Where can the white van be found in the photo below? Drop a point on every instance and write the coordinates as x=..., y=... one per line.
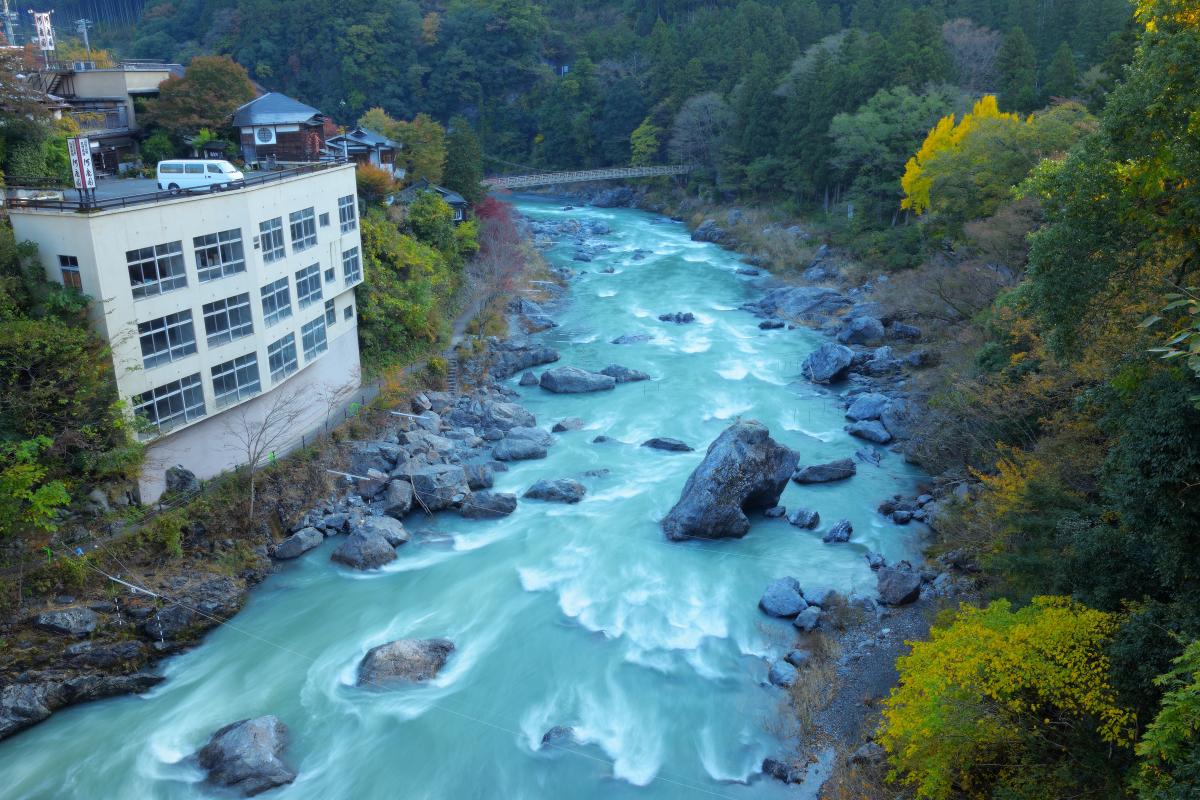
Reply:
x=197, y=174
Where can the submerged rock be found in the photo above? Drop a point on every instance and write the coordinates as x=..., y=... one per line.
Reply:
x=411, y=660
x=247, y=756
x=568, y=424
x=743, y=470
x=667, y=443
x=838, y=470
x=678, y=317
x=559, y=734
x=632, y=338
x=624, y=374
x=573, y=380
x=563, y=490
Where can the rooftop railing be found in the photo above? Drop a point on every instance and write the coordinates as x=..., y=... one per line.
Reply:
x=49, y=194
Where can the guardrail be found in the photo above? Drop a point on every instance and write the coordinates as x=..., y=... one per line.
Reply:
x=37, y=193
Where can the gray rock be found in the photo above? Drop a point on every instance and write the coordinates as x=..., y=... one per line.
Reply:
x=799, y=303
x=870, y=754
x=909, y=333
x=808, y=619
x=247, y=756
x=532, y=434
x=618, y=197
x=872, y=430
x=838, y=470
x=805, y=518
x=558, y=734
x=869, y=455
x=771, y=324
x=568, y=424
x=783, y=598
x=782, y=674
x=867, y=406
x=411, y=660
x=743, y=470
x=840, y=532
x=508, y=358
x=782, y=771
x=875, y=560
x=920, y=358
x=667, y=443
x=479, y=476
x=528, y=379
x=67, y=621
x=562, y=490
x=632, y=338
x=898, y=587
x=372, y=484
x=573, y=380
x=798, y=658
x=747, y=271
x=364, y=550
x=398, y=499
x=861, y=330
x=897, y=418
x=678, y=317
x=180, y=480
x=709, y=231
x=775, y=513
x=335, y=523
x=624, y=374
x=827, y=363
x=488, y=505
x=298, y=543
x=366, y=456
x=440, y=486
x=518, y=450
x=506, y=416
x=392, y=530
x=902, y=516
x=820, y=596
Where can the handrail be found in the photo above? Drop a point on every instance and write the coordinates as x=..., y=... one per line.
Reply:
x=13, y=198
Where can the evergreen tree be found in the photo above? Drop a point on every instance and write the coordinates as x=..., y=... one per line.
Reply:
x=756, y=111
x=1061, y=78
x=1016, y=66
x=464, y=161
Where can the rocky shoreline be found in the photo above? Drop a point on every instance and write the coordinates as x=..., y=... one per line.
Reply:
x=441, y=454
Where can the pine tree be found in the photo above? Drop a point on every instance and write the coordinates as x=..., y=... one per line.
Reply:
x=1016, y=65
x=1061, y=78
x=464, y=161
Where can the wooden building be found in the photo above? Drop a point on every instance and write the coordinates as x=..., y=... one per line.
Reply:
x=275, y=129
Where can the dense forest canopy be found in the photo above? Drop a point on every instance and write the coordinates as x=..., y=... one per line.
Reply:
x=564, y=83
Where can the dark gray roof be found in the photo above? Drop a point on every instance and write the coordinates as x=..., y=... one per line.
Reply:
x=363, y=136
x=273, y=108
x=410, y=193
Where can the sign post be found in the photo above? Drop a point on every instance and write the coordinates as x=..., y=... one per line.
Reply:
x=82, y=172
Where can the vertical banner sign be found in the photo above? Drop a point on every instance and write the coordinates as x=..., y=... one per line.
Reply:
x=43, y=30
x=80, y=149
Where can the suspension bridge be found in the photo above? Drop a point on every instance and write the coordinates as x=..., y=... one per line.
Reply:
x=581, y=176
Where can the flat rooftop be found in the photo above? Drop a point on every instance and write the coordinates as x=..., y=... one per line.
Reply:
x=116, y=193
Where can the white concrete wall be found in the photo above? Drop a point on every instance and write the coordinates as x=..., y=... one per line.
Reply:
x=100, y=240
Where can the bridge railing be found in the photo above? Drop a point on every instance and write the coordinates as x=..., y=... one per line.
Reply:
x=582, y=176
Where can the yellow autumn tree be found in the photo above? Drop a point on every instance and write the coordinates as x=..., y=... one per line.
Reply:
x=994, y=698
x=945, y=136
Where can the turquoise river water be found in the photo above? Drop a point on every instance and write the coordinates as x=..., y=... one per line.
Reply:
x=583, y=615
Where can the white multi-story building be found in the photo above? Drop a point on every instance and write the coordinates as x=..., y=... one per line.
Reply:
x=213, y=303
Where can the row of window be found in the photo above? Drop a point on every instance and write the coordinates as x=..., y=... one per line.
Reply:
x=159, y=269
x=178, y=402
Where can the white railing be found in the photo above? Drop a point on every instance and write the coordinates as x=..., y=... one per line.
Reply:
x=582, y=176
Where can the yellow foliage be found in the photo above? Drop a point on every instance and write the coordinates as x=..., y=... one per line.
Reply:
x=1152, y=13
x=945, y=136
x=994, y=683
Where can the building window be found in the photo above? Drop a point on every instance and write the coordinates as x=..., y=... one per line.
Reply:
x=330, y=314
x=276, y=302
x=330, y=275
x=228, y=319
x=69, y=266
x=308, y=285
x=219, y=254
x=325, y=220
x=172, y=404
x=348, y=312
x=270, y=239
x=312, y=337
x=304, y=229
x=347, y=213
x=155, y=270
x=167, y=339
x=458, y=214
x=281, y=358
x=236, y=380
x=351, y=266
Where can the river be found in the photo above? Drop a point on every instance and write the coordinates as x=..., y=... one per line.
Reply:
x=580, y=615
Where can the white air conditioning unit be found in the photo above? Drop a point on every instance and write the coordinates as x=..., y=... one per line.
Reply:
x=264, y=135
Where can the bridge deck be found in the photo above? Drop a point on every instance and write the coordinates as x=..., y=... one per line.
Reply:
x=582, y=176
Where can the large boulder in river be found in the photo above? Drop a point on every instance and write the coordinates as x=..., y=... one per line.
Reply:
x=246, y=756
x=364, y=550
x=870, y=429
x=391, y=529
x=743, y=470
x=298, y=543
x=783, y=598
x=509, y=357
x=838, y=470
x=624, y=374
x=573, y=380
x=488, y=505
x=563, y=490
x=827, y=363
x=439, y=486
x=668, y=444
x=868, y=405
x=409, y=660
